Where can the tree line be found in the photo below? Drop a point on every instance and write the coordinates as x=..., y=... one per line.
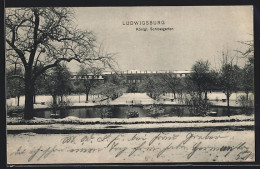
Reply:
x=58, y=82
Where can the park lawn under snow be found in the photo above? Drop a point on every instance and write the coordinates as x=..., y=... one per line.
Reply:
x=79, y=100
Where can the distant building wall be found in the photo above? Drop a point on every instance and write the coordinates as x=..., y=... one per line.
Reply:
x=132, y=76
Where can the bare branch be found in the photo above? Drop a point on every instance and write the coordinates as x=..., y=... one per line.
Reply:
x=53, y=65
x=35, y=38
x=18, y=51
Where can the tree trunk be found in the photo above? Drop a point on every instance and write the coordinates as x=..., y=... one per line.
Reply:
x=86, y=96
x=247, y=96
x=34, y=98
x=228, y=105
x=28, y=108
x=206, y=96
x=174, y=95
x=18, y=100
x=54, y=102
x=199, y=95
x=54, y=99
x=61, y=99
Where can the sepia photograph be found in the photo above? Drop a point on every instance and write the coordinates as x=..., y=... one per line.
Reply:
x=139, y=84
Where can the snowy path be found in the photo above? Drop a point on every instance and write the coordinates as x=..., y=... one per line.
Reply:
x=133, y=98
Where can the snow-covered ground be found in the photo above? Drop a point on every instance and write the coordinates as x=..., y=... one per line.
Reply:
x=47, y=99
x=142, y=127
x=126, y=98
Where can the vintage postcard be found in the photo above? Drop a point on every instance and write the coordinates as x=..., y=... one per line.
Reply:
x=164, y=84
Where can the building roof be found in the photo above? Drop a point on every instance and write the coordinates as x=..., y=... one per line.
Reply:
x=142, y=72
x=149, y=71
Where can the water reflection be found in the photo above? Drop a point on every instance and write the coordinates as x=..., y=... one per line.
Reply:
x=121, y=111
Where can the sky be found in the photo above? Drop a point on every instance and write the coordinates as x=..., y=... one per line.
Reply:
x=199, y=33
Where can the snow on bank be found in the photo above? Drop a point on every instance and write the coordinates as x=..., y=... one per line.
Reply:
x=139, y=120
x=78, y=127
x=47, y=99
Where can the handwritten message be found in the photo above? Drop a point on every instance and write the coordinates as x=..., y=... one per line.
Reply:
x=226, y=146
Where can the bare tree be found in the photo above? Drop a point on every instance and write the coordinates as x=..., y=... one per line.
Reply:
x=247, y=79
x=202, y=77
x=45, y=37
x=172, y=82
x=153, y=85
x=228, y=77
x=249, y=52
x=89, y=76
x=58, y=82
x=113, y=86
x=15, y=83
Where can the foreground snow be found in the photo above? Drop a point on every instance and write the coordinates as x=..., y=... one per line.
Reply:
x=135, y=140
x=71, y=128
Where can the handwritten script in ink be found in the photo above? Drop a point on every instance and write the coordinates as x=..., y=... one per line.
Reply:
x=132, y=147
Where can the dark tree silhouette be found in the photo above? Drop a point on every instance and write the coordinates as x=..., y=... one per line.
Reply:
x=89, y=78
x=15, y=83
x=153, y=85
x=228, y=81
x=57, y=82
x=202, y=77
x=45, y=37
x=172, y=82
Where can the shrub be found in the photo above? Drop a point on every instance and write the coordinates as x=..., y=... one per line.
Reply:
x=132, y=114
x=61, y=107
x=247, y=105
x=108, y=113
x=15, y=111
x=154, y=110
x=178, y=110
x=197, y=106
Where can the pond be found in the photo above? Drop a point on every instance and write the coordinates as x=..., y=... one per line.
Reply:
x=123, y=111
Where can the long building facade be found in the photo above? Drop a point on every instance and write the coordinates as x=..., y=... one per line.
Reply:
x=131, y=76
